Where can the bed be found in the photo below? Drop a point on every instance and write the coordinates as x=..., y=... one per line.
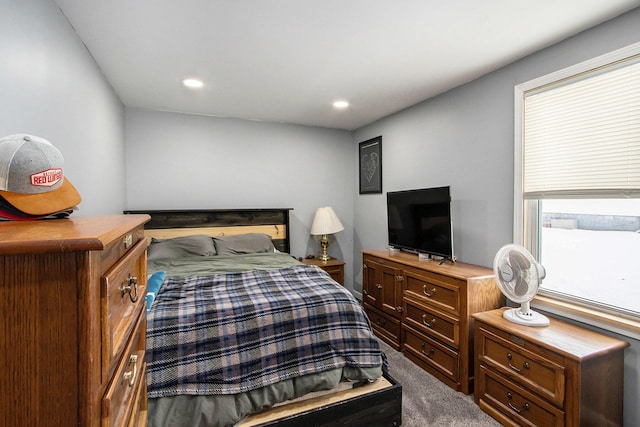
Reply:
x=241, y=333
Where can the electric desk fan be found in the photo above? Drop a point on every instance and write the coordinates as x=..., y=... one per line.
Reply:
x=519, y=275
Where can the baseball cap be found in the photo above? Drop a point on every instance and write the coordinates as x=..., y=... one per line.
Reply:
x=32, y=176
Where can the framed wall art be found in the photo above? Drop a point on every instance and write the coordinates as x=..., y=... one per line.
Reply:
x=370, y=160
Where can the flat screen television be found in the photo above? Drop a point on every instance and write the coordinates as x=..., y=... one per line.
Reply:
x=419, y=221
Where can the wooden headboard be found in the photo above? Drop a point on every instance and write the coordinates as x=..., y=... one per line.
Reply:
x=165, y=224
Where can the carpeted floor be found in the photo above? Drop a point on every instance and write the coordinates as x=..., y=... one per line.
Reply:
x=428, y=402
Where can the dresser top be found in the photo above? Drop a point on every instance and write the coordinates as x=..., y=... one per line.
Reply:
x=572, y=341
x=457, y=269
x=65, y=235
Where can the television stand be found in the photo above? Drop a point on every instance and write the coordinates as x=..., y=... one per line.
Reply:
x=424, y=310
x=424, y=257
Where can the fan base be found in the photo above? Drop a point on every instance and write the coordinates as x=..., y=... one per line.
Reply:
x=531, y=318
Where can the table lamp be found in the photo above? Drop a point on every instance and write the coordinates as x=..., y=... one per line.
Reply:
x=325, y=222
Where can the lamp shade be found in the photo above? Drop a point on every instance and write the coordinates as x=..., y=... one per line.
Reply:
x=325, y=221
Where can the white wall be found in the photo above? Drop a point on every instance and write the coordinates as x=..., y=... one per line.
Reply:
x=51, y=87
x=464, y=138
x=181, y=161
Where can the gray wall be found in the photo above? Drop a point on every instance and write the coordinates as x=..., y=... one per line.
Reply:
x=464, y=138
x=180, y=161
x=51, y=87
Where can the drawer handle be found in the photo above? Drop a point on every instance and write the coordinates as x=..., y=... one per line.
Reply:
x=381, y=321
x=424, y=291
x=427, y=324
x=128, y=241
x=525, y=405
x=131, y=375
x=128, y=286
x=378, y=285
x=525, y=365
x=430, y=353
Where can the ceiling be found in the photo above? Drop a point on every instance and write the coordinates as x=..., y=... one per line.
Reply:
x=289, y=60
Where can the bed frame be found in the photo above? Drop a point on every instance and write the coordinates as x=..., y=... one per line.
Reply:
x=375, y=404
x=165, y=224
x=378, y=404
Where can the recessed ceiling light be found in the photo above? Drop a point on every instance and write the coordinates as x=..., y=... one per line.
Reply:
x=341, y=104
x=193, y=83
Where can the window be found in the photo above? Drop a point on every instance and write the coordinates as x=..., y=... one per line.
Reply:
x=577, y=185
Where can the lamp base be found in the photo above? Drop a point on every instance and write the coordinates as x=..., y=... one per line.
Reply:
x=324, y=244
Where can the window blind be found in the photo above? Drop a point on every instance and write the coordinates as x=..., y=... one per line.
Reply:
x=582, y=135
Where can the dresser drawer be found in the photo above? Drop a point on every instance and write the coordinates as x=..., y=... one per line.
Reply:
x=386, y=327
x=440, y=291
x=123, y=290
x=515, y=403
x=430, y=352
x=127, y=390
x=530, y=369
x=138, y=416
x=120, y=246
x=431, y=322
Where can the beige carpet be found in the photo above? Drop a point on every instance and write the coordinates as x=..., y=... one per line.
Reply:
x=428, y=402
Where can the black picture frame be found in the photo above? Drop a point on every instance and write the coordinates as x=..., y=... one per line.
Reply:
x=370, y=165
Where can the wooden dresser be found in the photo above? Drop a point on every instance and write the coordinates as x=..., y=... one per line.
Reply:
x=559, y=375
x=424, y=308
x=72, y=322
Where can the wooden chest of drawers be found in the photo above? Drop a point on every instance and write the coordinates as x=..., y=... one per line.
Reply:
x=560, y=375
x=72, y=331
x=424, y=308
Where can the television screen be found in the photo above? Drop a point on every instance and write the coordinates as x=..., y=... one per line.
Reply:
x=420, y=221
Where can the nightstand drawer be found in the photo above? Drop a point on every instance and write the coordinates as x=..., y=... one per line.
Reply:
x=431, y=322
x=523, y=366
x=514, y=402
x=336, y=273
x=334, y=267
x=122, y=399
x=124, y=288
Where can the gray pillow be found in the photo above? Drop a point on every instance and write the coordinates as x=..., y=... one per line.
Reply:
x=198, y=244
x=249, y=243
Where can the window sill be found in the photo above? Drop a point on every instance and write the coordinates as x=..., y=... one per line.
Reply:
x=620, y=325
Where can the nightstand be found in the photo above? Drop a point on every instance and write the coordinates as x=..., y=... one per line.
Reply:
x=334, y=267
x=557, y=375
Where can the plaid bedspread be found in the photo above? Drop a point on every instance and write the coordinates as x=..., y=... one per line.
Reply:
x=230, y=333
